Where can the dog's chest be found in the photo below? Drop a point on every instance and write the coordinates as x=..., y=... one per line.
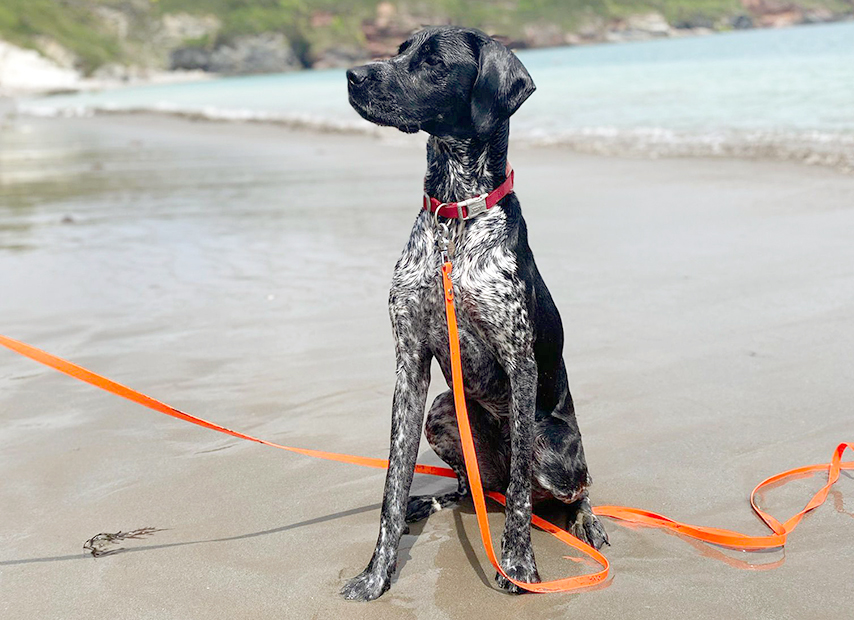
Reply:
x=481, y=263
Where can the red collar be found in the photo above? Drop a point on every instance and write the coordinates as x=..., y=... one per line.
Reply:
x=473, y=206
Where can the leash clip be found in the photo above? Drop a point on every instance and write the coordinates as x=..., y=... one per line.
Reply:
x=443, y=240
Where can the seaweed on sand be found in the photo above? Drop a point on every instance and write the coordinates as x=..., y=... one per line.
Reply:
x=100, y=544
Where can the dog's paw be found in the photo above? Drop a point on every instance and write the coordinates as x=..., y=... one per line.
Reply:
x=422, y=506
x=366, y=586
x=520, y=570
x=588, y=528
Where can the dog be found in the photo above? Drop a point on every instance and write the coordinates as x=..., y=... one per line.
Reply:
x=461, y=87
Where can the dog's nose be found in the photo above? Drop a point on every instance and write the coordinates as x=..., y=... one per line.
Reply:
x=357, y=75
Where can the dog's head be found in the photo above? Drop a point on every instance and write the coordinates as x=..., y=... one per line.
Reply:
x=447, y=81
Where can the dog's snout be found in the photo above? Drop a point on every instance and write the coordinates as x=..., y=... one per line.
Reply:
x=357, y=75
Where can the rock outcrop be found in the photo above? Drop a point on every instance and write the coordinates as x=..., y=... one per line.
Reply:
x=262, y=53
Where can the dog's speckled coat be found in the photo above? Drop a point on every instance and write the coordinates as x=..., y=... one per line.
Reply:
x=462, y=87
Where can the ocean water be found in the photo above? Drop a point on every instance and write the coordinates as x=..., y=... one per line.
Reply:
x=785, y=93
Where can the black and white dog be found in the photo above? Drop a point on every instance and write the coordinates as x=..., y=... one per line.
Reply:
x=461, y=87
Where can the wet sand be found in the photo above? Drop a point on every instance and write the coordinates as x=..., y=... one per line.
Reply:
x=240, y=272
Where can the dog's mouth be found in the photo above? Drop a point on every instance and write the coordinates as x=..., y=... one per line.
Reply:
x=369, y=112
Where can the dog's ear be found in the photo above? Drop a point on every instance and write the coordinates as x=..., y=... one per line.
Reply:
x=502, y=85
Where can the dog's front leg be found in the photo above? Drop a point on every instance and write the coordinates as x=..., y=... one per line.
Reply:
x=410, y=396
x=517, y=554
x=503, y=320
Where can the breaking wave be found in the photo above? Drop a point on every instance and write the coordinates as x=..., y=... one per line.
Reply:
x=835, y=150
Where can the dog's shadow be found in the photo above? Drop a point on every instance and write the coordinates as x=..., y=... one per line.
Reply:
x=239, y=537
x=553, y=511
x=410, y=539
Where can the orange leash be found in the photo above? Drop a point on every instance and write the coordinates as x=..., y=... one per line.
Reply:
x=87, y=376
x=632, y=515
x=736, y=540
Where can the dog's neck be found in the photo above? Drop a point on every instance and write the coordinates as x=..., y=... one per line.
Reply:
x=461, y=168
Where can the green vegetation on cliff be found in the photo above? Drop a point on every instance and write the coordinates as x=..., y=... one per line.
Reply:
x=98, y=32
x=74, y=25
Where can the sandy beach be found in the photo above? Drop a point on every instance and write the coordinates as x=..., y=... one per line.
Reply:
x=240, y=272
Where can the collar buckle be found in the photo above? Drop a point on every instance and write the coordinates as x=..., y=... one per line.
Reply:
x=474, y=206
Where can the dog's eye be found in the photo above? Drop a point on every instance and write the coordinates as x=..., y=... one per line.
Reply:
x=434, y=61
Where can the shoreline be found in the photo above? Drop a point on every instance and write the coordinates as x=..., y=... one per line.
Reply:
x=812, y=149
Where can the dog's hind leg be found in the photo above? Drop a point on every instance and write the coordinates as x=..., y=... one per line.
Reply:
x=492, y=442
x=584, y=525
x=560, y=469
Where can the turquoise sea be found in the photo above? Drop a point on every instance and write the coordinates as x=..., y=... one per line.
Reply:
x=786, y=93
